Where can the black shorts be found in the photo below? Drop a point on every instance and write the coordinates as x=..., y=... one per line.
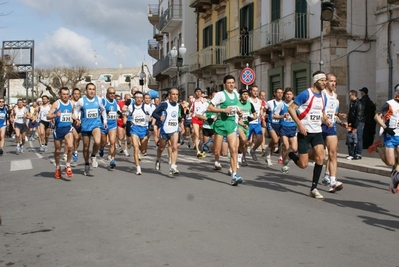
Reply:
x=46, y=124
x=312, y=139
x=128, y=126
x=21, y=126
x=207, y=132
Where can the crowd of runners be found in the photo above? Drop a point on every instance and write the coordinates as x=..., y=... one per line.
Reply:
x=233, y=123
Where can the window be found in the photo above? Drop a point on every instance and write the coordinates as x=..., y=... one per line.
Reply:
x=301, y=19
x=276, y=10
x=207, y=36
x=221, y=30
x=247, y=17
x=300, y=73
x=275, y=80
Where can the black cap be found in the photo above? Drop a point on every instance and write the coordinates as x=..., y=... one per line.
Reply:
x=365, y=90
x=244, y=90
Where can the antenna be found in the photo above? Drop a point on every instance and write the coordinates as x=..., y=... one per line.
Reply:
x=95, y=57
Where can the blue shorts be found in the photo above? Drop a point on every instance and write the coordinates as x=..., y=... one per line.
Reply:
x=77, y=128
x=254, y=128
x=33, y=124
x=167, y=136
x=328, y=131
x=391, y=141
x=111, y=127
x=140, y=131
x=274, y=127
x=60, y=132
x=187, y=123
x=288, y=131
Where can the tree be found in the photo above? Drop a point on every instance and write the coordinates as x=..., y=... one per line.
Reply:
x=57, y=77
x=7, y=71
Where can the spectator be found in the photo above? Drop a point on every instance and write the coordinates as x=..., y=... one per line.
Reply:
x=369, y=122
x=356, y=120
x=351, y=141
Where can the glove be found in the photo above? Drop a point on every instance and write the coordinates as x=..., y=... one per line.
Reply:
x=120, y=114
x=210, y=120
x=128, y=102
x=250, y=118
x=390, y=131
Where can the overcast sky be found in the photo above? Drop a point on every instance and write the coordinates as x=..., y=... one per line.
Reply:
x=90, y=33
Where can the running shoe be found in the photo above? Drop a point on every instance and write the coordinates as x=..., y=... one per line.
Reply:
x=253, y=155
x=121, y=150
x=280, y=160
x=64, y=157
x=201, y=155
x=157, y=165
x=112, y=164
x=101, y=153
x=87, y=170
x=268, y=158
x=217, y=166
x=1, y=151
x=41, y=148
x=57, y=174
x=173, y=171
x=326, y=181
x=263, y=153
x=126, y=153
x=315, y=194
x=374, y=146
x=17, y=150
x=94, y=162
x=45, y=148
x=236, y=179
x=138, y=172
x=21, y=149
x=68, y=171
x=349, y=157
x=244, y=161
x=337, y=186
x=393, y=186
x=285, y=169
x=75, y=156
x=109, y=157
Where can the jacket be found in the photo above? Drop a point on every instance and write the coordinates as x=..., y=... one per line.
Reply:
x=355, y=115
x=368, y=109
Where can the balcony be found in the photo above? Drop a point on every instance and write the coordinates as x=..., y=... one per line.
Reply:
x=239, y=48
x=287, y=36
x=209, y=59
x=171, y=18
x=201, y=5
x=165, y=66
x=153, y=48
x=157, y=34
x=152, y=83
x=153, y=14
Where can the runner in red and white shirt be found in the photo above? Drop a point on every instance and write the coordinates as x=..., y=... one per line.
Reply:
x=198, y=108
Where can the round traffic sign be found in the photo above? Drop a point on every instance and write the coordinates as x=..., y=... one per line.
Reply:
x=247, y=76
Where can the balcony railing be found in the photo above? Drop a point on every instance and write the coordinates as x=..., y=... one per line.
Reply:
x=164, y=63
x=174, y=12
x=210, y=56
x=153, y=10
x=239, y=46
x=153, y=48
x=293, y=26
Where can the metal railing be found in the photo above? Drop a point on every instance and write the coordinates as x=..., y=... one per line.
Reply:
x=164, y=63
x=173, y=12
x=153, y=9
x=239, y=45
x=293, y=26
x=212, y=55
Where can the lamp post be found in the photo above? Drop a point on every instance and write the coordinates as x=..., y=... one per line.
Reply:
x=179, y=60
x=142, y=77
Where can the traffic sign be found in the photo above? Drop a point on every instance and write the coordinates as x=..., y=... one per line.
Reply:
x=247, y=76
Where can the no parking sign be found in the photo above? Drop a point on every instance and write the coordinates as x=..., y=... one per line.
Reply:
x=247, y=76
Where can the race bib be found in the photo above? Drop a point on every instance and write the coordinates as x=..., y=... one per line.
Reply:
x=331, y=115
x=172, y=123
x=233, y=111
x=139, y=119
x=66, y=117
x=111, y=115
x=92, y=113
x=315, y=116
x=2, y=116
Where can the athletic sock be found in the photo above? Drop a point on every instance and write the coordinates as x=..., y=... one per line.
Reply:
x=333, y=179
x=294, y=157
x=316, y=175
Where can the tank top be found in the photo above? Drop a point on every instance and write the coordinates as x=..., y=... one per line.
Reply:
x=65, y=119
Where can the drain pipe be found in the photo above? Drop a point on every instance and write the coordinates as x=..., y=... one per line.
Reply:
x=389, y=59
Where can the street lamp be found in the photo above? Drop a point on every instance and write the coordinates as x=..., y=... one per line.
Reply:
x=142, y=77
x=179, y=60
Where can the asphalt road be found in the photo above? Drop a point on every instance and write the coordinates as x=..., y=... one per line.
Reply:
x=196, y=219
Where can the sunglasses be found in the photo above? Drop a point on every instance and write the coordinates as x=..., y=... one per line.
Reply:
x=1, y=101
x=111, y=93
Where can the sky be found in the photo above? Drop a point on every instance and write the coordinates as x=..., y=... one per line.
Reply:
x=89, y=33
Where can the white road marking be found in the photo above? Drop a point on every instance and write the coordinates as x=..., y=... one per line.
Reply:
x=18, y=165
x=34, y=150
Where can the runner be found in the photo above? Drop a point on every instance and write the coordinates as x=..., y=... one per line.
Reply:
x=140, y=116
x=20, y=117
x=390, y=124
x=255, y=127
x=3, y=123
x=109, y=133
x=76, y=129
x=273, y=124
x=44, y=123
x=198, y=108
x=310, y=105
x=61, y=111
x=90, y=106
x=170, y=115
x=225, y=103
x=330, y=134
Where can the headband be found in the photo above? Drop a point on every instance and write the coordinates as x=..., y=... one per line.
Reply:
x=318, y=77
x=138, y=94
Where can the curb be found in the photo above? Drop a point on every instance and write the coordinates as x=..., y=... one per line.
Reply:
x=366, y=169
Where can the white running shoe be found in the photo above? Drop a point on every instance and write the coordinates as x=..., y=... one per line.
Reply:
x=315, y=194
x=94, y=162
x=337, y=186
x=138, y=172
x=126, y=153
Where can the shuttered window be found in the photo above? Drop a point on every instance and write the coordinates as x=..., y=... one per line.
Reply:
x=207, y=36
x=300, y=81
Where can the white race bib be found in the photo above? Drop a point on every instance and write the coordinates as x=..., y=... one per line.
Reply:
x=91, y=113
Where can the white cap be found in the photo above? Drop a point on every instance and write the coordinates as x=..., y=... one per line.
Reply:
x=39, y=100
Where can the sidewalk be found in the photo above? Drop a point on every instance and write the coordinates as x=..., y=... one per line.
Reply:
x=370, y=162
